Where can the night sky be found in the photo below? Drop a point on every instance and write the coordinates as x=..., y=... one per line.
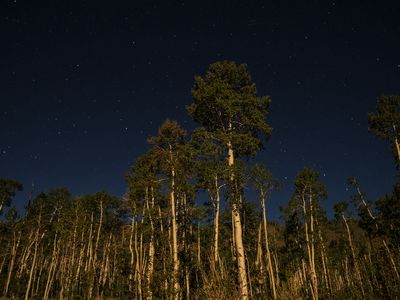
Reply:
x=83, y=84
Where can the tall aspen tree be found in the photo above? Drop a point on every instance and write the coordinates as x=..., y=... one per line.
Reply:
x=170, y=151
x=227, y=106
x=305, y=202
x=264, y=184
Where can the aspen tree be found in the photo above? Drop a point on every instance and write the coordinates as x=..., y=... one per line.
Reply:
x=305, y=200
x=340, y=209
x=264, y=184
x=171, y=152
x=370, y=222
x=210, y=172
x=227, y=106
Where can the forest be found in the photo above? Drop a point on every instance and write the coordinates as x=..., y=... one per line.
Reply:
x=159, y=241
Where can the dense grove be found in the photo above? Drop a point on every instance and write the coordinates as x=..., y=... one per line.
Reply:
x=160, y=242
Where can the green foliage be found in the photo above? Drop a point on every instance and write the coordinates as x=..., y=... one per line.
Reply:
x=263, y=180
x=98, y=246
x=363, y=206
x=226, y=104
x=340, y=208
x=170, y=150
x=8, y=189
x=307, y=184
x=384, y=123
x=389, y=208
x=209, y=163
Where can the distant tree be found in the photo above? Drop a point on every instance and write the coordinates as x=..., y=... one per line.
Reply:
x=305, y=205
x=170, y=150
x=364, y=207
x=143, y=185
x=370, y=223
x=342, y=213
x=385, y=122
x=8, y=189
x=227, y=106
x=211, y=171
x=264, y=183
x=389, y=209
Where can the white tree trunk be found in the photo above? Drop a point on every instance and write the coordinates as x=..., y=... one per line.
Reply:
x=240, y=258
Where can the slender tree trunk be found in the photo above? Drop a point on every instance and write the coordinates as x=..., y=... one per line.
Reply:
x=397, y=148
x=28, y=288
x=216, y=222
x=174, y=232
x=357, y=269
x=383, y=239
x=238, y=238
x=276, y=268
x=396, y=142
x=150, y=266
x=310, y=248
x=259, y=260
x=132, y=252
x=52, y=269
x=269, y=261
x=313, y=272
x=12, y=262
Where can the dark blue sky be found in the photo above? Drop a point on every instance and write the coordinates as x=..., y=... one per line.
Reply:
x=83, y=84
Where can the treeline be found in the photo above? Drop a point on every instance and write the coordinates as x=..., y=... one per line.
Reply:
x=156, y=243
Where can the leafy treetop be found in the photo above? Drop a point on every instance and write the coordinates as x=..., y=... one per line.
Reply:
x=226, y=104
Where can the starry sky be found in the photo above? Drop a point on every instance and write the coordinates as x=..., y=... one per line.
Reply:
x=83, y=84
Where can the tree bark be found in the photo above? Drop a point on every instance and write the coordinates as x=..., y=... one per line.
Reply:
x=174, y=231
x=269, y=261
x=238, y=238
x=216, y=222
x=357, y=269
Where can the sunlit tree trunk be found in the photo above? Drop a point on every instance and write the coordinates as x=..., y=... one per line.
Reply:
x=313, y=272
x=216, y=221
x=310, y=245
x=238, y=238
x=266, y=240
x=52, y=269
x=396, y=143
x=174, y=232
x=356, y=267
x=393, y=263
x=259, y=260
x=28, y=288
x=132, y=255
x=14, y=250
x=150, y=266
